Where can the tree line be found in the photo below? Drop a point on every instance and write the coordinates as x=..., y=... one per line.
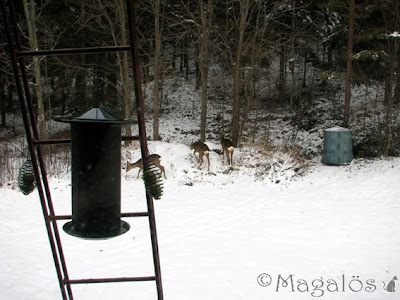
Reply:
x=251, y=41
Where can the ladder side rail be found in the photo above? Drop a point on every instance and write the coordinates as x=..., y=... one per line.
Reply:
x=143, y=141
x=36, y=156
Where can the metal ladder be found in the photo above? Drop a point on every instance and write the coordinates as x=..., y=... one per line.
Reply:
x=35, y=144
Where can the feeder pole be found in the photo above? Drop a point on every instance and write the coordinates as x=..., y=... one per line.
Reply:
x=142, y=137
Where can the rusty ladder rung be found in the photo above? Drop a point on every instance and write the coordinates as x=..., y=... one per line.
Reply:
x=123, y=215
x=66, y=141
x=71, y=51
x=109, y=280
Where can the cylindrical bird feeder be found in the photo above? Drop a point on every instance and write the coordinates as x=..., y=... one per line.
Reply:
x=96, y=175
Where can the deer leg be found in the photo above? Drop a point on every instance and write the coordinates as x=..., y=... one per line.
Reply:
x=201, y=162
x=228, y=156
x=163, y=171
x=138, y=173
x=208, y=159
x=194, y=153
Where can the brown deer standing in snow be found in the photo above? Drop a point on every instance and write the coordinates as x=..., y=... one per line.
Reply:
x=154, y=159
x=227, y=148
x=202, y=149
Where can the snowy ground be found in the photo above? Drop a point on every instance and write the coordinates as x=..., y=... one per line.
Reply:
x=219, y=231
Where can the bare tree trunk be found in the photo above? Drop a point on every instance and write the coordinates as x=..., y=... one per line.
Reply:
x=396, y=99
x=282, y=73
x=123, y=65
x=292, y=59
x=30, y=14
x=304, y=84
x=10, y=103
x=206, y=21
x=249, y=100
x=349, y=65
x=157, y=62
x=186, y=57
x=244, y=11
x=389, y=110
x=80, y=79
x=3, y=107
x=236, y=106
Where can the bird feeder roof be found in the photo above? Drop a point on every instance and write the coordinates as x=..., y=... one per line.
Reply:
x=95, y=115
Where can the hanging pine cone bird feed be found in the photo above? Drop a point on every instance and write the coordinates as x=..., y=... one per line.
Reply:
x=152, y=179
x=26, y=178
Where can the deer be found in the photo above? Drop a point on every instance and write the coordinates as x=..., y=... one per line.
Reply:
x=227, y=149
x=202, y=149
x=154, y=159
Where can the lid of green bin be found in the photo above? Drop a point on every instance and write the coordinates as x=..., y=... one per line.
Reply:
x=337, y=128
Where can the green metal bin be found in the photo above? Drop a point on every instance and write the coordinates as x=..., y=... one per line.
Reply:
x=338, y=146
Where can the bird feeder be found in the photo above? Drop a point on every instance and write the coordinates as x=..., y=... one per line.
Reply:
x=96, y=175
